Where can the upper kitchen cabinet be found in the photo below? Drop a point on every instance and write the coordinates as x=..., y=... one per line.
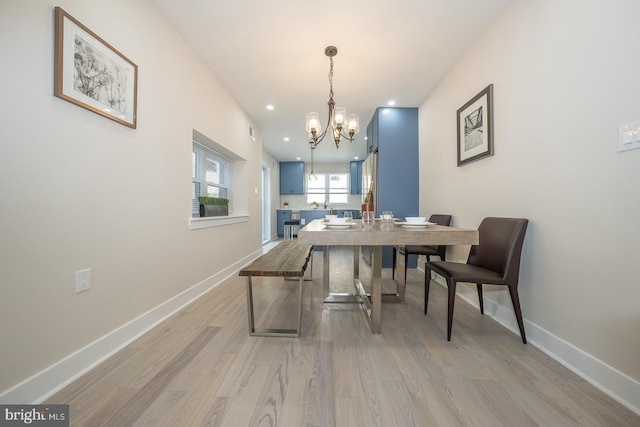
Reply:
x=393, y=133
x=395, y=138
x=292, y=178
x=372, y=134
x=355, y=169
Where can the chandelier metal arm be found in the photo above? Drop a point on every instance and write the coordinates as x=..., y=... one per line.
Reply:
x=317, y=139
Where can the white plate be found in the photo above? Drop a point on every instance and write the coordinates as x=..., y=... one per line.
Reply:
x=347, y=225
x=415, y=225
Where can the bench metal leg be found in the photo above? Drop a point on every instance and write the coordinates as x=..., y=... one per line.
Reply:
x=268, y=332
x=310, y=277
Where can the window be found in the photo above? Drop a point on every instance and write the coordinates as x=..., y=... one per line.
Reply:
x=211, y=174
x=330, y=188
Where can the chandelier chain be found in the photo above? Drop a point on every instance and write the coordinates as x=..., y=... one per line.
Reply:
x=331, y=78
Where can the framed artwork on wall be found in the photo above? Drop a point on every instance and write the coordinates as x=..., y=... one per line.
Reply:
x=475, y=127
x=92, y=74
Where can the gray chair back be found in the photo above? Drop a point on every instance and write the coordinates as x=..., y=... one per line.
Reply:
x=500, y=247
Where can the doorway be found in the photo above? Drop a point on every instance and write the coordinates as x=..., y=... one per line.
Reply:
x=266, y=204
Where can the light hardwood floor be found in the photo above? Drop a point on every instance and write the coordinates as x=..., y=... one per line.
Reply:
x=201, y=368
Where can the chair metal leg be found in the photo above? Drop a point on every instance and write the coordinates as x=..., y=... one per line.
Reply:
x=513, y=291
x=451, y=287
x=479, y=286
x=393, y=263
x=427, y=282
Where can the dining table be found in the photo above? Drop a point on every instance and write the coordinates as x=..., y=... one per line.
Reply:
x=376, y=234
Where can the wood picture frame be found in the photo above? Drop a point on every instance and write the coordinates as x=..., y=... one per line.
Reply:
x=475, y=127
x=90, y=73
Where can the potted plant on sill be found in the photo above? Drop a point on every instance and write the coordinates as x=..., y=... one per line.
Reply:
x=213, y=206
x=314, y=205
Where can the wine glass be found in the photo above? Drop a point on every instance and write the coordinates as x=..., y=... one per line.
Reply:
x=348, y=216
x=367, y=216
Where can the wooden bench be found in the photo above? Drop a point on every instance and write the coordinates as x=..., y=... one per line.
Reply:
x=288, y=260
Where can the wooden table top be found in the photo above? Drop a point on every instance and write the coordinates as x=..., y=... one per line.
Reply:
x=383, y=234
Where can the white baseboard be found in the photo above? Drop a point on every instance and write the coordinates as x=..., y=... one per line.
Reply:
x=49, y=381
x=614, y=383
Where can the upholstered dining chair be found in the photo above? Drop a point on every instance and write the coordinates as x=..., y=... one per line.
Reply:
x=425, y=250
x=495, y=260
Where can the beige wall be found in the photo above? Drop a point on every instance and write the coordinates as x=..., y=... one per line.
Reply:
x=565, y=75
x=81, y=191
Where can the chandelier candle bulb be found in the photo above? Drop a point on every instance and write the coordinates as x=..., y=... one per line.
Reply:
x=338, y=118
x=354, y=124
x=313, y=124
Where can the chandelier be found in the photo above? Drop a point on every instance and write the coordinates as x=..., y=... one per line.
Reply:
x=338, y=124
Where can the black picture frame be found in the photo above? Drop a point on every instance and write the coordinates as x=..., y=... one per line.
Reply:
x=475, y=127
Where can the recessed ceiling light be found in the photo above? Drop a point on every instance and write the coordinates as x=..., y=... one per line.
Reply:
x=297, y=158
x=356, y=158
x=269, y=107
x=286, y=138
x=391, y=103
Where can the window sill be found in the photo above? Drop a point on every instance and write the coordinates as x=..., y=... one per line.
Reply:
x=217, y=221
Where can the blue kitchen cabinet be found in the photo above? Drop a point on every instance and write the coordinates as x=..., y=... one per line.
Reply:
x=355, y=214
x=292, y=178
x=282, y=216
x=393, y=133
x=372, y=133
x=355, y=169
x=307, y=216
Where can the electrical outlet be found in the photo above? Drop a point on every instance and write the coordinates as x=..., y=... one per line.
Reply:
x=629, y=136
x=83, y=280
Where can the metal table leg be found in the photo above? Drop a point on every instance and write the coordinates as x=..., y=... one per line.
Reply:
x=371, y=303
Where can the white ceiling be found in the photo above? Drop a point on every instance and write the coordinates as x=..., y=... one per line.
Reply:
x=272, y=52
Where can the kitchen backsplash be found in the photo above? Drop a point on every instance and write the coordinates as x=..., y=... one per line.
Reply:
x=300, y=202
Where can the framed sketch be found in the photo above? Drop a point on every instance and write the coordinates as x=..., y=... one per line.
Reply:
x=475, y=127
x=92, y=74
